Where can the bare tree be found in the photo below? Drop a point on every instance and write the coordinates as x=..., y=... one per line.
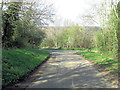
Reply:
x=87, y=20
x=41, y=11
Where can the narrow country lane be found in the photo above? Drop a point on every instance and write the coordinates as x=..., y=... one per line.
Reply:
x=67, y=70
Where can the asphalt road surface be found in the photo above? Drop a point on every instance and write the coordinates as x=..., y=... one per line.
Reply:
x=67, y=70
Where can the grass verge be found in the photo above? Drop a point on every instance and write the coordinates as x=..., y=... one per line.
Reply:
x=108, y=63
x=65, y=49
x=17, y=63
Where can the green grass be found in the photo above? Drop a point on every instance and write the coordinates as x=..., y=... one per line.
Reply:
x=17, y=63
x=50, y=48
x=100, y=59
x=73, y=49
x=65, y=49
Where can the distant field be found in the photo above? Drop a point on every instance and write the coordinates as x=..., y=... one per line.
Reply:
x=17, y=63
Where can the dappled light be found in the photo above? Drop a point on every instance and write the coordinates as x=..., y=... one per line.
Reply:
x=60, y=43
x=68, y=70
x=17, y=63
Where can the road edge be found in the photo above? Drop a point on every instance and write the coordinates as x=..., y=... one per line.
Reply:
x=25, y=77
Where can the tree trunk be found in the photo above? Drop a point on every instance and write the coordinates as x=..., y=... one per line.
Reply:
x=118, y=36
x=118, y=33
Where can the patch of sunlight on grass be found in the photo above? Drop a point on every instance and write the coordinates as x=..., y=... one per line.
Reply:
x=17, y=63
x=100, y=59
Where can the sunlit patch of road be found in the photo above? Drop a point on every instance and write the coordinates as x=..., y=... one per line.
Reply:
x=67, y=70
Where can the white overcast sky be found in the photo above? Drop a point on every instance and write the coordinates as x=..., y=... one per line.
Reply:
x=72, y=9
